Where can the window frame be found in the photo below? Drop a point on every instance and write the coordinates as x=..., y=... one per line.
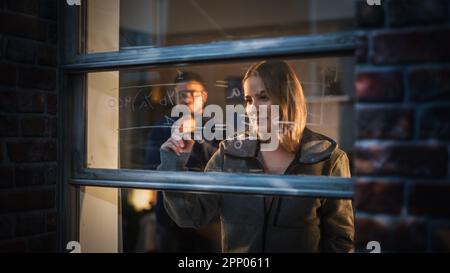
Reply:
x=73, y=68
x=72, y=103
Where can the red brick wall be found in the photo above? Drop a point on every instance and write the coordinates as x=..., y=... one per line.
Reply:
x=28, y=118
x=403, y=125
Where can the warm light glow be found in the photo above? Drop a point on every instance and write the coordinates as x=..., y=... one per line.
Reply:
x=141, y=199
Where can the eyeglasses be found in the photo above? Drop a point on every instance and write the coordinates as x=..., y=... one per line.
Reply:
x=182, y=94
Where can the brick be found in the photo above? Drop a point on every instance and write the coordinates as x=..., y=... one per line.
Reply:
x=24, y=26
x=385, y=123
x=434, y=122
x=6, y=177
x=393, y=236
x=396, y=47
x=369, y=16
x=47, y=55
x=378, y=196
x=417, y=12
x=23, y=6
x=51, y=174
x=54, y=127
x=37, y=77
x=1, y=46
x=440, y=239
x=8, y=74
x=6, y=227
x=52, y=33
x=361, y=49
x=429, y=199
x=48, y=9
x=429, y=84
x=30, y=176
x=369, y=229
x=27, y=200
x=52, y=104
x=20, y=50
x=8, y=126
x=31, y=102
x=43, y=243
x=32, y=151
x=421, y=160
x=14, y=246
x=8, y=101
x=35, y=127
x=30, y=224
x=51, y=221
x=379, y=86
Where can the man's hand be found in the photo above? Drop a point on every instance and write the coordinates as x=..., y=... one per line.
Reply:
x=180, y=141
x=178, y=146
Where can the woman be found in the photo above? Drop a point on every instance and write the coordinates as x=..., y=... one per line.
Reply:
x=269, y=224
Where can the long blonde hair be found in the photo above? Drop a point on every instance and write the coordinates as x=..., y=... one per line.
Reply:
x=283, y=88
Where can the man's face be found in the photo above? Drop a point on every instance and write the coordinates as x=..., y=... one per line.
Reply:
x=188, y=92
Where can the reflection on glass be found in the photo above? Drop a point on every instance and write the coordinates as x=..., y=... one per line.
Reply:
x=129, y=115
x=174, y=22
x=312, y=95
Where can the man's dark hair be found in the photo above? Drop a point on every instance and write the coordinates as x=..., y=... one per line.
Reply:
x=185, y=76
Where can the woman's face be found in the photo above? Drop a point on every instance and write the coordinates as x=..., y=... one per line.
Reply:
x=256, y=96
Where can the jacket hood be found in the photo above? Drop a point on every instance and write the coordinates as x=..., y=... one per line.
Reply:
x=314, y=147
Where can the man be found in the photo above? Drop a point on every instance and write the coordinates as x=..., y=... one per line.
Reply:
x=189, y=86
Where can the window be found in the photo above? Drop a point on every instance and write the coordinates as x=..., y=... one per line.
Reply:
x=165, y=23
x=122, y=60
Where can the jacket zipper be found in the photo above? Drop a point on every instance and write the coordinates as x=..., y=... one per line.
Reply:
x=264, y=233
x=267, y=214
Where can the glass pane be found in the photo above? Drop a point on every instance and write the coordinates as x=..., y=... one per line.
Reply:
x=243, y=223
x=102, y=24
x=102, y=120
x=120, y=24
x=99, y=220
x=147, y=228
x=133, y=117
x=130, y=111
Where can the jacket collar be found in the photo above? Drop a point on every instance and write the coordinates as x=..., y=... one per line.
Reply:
x=314, y=147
